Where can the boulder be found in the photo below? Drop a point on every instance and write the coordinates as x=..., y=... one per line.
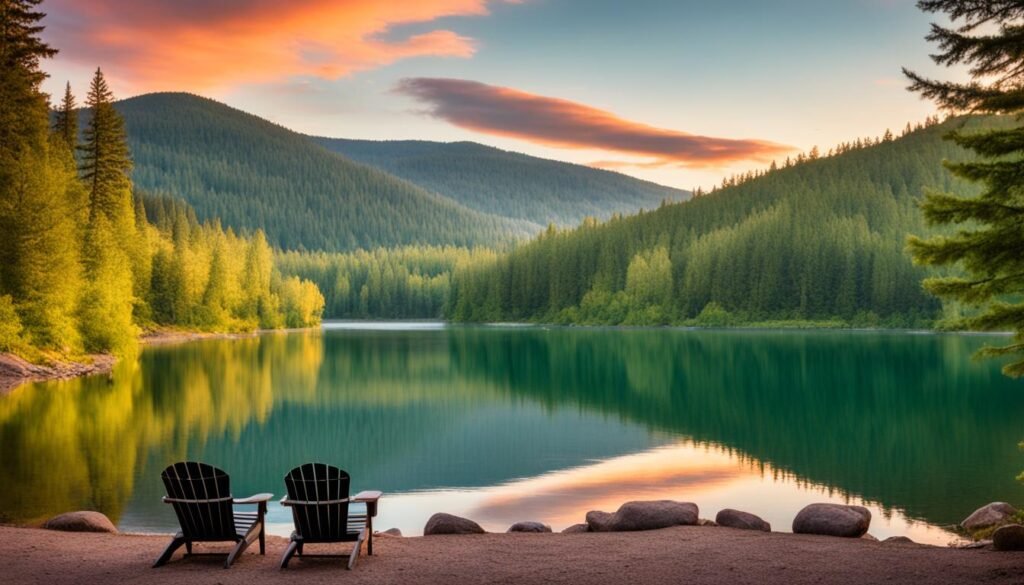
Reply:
x=987, y=516
x=706, y=522
x=576, y=529
x=870, y=537
x=898, y=540
x=649, y=515
x=390, y=532
x=81, y=522
x=745, y=520
x=442, y=523
x=833, y=520
x=1009, y=537
x=529, y=527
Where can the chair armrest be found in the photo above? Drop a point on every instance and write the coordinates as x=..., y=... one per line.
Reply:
x=370, y=499
x=256, y=499
x=367, y=496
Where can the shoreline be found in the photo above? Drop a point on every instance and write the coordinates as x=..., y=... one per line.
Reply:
x=16, y=371
x=691, y=554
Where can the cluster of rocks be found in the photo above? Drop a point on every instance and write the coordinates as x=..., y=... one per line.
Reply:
x=824, y=519
x=997, y=524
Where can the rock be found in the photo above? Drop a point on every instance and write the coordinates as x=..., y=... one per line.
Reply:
x=529, y=527
x=81, y=522
x=832, y=520
x=706, y=522
x=576, y=529
x=442, y=523
x=598, y=521
x=988, y=516
x=649, y=515
x=745, y=520
x=869, y=537
x=1009, y=537
x=390, y=532
x=976, y=544
x=898, y=540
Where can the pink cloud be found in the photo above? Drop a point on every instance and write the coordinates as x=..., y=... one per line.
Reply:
x=502, y=111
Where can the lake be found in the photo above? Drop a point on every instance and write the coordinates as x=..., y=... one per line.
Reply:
x=503, y=424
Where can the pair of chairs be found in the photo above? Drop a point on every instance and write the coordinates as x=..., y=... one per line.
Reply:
x=317, y=495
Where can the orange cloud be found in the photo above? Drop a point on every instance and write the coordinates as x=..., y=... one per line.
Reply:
x=201, y=44
x=511, y=113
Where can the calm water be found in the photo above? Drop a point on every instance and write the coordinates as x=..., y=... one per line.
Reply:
x=508, y=424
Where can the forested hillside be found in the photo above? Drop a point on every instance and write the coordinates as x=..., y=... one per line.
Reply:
x=252, y=174
x=86, y=261
x=821, y=239
x=508, y=183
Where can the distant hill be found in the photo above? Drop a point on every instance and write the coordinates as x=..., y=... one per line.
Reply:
x=508, y=183
x=821, y=240
x=252, y=173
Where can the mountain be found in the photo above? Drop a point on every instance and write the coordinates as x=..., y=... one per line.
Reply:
x=508, y=183
x=819, y=240
x=251, y=173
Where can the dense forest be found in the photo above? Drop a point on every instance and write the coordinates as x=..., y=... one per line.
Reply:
x=508, y=183
x=412, y=282
x=820, y=238
x=253, y=174
x=82, y=266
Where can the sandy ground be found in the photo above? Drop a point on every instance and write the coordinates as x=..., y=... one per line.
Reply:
x=691, y=555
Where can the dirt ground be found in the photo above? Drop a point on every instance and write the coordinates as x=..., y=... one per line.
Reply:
x=691, y=555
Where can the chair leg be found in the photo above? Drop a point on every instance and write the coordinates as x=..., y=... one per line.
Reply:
x=352, y=558
x=292, y=547
x=188, y=547
x=369, y=536
x=242, y=544
x=169, y=551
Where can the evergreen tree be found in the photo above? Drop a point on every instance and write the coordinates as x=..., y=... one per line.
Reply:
x=105, y=158
x=989, y=245
x=65, y=124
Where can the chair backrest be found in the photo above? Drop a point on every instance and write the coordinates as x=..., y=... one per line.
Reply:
x=319, y=501
x=201, y=497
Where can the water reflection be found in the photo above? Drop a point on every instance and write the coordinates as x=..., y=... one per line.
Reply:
x=530, y=423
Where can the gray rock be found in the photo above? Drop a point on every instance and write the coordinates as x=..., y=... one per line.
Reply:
x=1009, y=537
x=576, y=529
x=390, y=532
x=529, y=527
x=706, y=522
x=898, y=540
x=81, y=522
x=745, y=520
x=649, y=515
x=869, y=537
x=987, y=516
x=442, y=523
x=833, y=520
x=598, y=521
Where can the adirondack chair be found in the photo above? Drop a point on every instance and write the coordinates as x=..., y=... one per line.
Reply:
x=201, y=497
x=318, y=498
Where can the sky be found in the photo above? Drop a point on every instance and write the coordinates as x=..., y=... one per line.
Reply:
x=680, y=92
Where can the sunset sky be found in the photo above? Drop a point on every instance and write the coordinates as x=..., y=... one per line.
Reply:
x=676, y=91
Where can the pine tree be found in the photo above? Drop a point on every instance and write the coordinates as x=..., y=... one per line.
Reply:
x=105, y=158
x=65, y=124
x=989, y=246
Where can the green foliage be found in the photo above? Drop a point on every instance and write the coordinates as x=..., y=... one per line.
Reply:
x=816, y=241
x=988, y=248
x=506, y=183
x=10, y=325
x=301, y=302
x=412, y=282
x=106, y=303
x=714, y=315
x=65, y=120
x=252, y=174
